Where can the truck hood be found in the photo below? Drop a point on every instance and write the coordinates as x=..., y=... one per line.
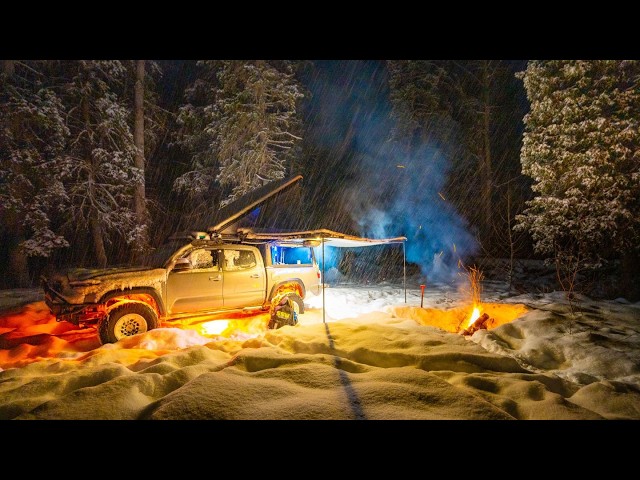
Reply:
x=82, y=285
x=81, y=274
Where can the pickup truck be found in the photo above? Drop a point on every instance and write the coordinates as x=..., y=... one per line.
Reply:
x=188, y=277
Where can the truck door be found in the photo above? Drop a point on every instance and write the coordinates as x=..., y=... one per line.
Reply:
x=198, y=289
x=244, y=277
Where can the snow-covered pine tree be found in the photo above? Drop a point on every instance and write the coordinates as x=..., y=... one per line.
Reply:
x=240, y=125
x=581, y=147
x=33, y=136
x=99, y=171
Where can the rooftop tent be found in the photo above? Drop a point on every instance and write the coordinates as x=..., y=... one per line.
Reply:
x=232, y=213
x=229, y=216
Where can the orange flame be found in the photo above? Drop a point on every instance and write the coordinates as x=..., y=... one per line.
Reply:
x=475, y=315
x=475, y=277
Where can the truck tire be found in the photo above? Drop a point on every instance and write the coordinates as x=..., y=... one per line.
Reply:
x=284, y=311
x=127, y=320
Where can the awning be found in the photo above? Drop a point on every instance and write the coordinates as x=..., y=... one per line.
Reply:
x=324, y=237
x=330, y=238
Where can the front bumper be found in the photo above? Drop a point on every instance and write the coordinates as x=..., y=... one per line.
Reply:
x=67, y=312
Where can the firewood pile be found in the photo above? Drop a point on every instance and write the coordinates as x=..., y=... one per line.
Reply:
x=481, y=323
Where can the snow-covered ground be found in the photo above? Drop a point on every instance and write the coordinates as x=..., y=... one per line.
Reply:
x=376, y=357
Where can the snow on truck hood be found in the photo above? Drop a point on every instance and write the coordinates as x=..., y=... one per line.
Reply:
x=80, y=274
x=91, y=285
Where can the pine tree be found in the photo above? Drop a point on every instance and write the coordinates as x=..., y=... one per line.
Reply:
x=33, y=137
x=420, y=99
x=99, y=170
x=582, y=149
x=240, y=126
x=68, y=168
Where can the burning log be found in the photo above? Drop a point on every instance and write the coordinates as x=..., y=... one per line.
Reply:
x=479, y=324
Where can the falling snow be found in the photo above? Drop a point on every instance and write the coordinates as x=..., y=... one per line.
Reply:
x=431, y=150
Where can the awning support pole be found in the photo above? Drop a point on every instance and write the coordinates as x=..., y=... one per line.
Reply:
x=323, y=281
x=404, y=271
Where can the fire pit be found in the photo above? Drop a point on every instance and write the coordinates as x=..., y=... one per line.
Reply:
x=464, y=320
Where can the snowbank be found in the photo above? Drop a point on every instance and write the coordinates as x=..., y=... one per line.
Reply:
x=373, y=359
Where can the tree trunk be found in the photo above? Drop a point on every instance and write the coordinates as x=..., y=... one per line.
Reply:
x=8, y=67
x=138, y=138
x=630, y=275
x=510, y=237
x=487, y=174
x=98, y=242
x=19, y=267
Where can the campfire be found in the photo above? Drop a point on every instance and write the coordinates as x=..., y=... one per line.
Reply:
x=477, y=320
x=466, y=319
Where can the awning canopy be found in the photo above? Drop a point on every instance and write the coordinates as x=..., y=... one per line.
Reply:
x=329, y=237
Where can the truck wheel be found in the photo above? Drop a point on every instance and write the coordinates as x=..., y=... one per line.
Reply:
x=284, y=311
x=127, y=320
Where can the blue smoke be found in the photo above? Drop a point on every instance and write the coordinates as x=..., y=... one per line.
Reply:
x=394, y=189
x=414, y=205
x=410, y=201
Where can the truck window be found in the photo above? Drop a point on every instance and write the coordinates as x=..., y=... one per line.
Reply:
x=202, y=259
x=291, y=255
x=238, y=259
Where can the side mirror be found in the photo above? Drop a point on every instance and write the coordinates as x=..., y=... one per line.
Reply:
x=182, y=264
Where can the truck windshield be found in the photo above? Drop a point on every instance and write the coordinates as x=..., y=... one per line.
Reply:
x=158, y=257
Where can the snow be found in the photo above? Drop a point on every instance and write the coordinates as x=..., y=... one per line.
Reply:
x=376, y=357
